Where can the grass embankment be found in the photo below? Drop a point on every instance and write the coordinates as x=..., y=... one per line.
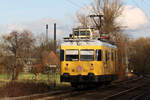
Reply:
x=27, y=85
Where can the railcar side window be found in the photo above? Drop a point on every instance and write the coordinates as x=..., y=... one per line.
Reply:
x=87, y=55
x=106, y=55
x=61, y=55
x=72, y=55
x=98, y=55
x=112, y=56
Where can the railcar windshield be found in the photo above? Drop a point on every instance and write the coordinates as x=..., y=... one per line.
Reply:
x=72, y=55
x=87, y=55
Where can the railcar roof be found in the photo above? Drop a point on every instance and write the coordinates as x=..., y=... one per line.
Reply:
x=87, y=43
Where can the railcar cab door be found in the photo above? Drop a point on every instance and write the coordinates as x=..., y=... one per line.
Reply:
x=98, y=55
x=99, y=60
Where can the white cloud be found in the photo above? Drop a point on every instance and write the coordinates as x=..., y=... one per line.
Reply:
x=37, y=27
x=133, y=17
x=86, y=10
x=135, y=21
x=143, y=31
x=14, y=27
x=1, y=29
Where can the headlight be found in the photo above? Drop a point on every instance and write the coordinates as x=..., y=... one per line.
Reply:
x=67, y=67
x=92, y=67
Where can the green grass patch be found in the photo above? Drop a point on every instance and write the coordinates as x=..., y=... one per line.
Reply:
x=42, y=77
x=50, y=79
x=26, y=76
x=5, y=76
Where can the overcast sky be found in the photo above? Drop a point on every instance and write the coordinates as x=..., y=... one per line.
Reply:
x=34, y=14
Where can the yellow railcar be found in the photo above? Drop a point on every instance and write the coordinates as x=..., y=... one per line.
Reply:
x=88, y=61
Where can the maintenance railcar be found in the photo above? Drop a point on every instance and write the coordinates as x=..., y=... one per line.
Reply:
x=88, y=61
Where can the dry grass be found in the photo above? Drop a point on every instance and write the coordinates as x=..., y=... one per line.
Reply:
x=14, y=89
x=25, y=85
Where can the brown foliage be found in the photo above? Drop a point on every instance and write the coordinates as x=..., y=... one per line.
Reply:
x=47, y=59
x=139, y=55
x=44, y=55
x=53, y=58
x=15, y=89
x=36, y=69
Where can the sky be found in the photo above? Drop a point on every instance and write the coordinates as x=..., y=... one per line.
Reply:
x=34, y=14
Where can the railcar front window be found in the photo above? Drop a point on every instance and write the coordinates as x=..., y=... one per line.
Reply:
x=72, y=55
x=87, y=55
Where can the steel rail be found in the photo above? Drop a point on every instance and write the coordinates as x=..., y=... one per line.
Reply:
x=139, y=96
x=122, y=92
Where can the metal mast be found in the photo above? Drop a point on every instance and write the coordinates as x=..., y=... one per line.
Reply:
x=55, y=38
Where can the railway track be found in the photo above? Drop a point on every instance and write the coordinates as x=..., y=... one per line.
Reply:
x=135, y=93
x=114, y=91
x=66, y=94
x=80, y=93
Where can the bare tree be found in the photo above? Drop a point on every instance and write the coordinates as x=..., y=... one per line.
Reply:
x=106, y=12
x=17, y=50
x=104, y=15
x=83, y=20
x=111, y=10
